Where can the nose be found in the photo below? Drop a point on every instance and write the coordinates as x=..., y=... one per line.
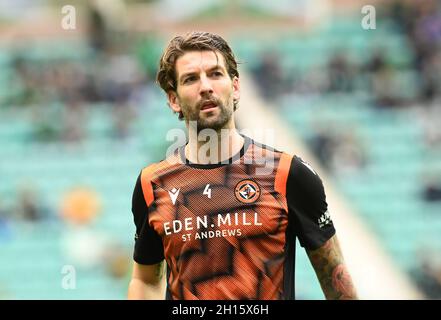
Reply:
x=206, y=87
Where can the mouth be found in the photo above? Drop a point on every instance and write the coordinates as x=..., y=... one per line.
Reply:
x=208, y=105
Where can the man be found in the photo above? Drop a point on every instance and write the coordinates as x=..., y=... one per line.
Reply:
x=225, y=230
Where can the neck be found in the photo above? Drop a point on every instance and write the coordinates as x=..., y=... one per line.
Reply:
x=213, y=146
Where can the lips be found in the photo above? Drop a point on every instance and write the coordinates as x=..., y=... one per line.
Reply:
x=208, y=105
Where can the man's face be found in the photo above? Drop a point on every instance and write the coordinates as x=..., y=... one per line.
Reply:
x=205, y=92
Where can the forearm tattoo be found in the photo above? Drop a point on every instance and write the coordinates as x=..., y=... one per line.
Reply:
x=331, y=271
x=160, y=270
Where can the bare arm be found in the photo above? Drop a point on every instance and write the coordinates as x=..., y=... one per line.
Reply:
x=148, y=282
x=331, y=271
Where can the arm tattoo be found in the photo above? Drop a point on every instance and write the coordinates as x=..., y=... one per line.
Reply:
x=331, y=271
x=159, y=271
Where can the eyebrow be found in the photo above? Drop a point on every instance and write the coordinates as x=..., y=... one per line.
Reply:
x=214, y=68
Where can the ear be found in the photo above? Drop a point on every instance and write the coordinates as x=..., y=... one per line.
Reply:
x=236, y=89
x=173, y=101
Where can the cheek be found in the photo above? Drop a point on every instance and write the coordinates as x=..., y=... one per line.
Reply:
x=186, y=97
x=225, y=90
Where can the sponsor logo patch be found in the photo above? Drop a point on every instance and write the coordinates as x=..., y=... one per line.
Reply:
x=324, y=219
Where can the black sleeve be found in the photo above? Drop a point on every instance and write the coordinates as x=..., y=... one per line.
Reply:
x=308, y=210
x=148, y=244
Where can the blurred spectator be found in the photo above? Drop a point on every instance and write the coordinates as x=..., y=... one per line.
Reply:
x=268, y=75
x=59, y=92
x=431, y=125
x=341, y=152
x=427, y=274
x=29, y=206
x=373, y=68
x=45, y=123
x=402, y=13
x=340, y=74
x=26, y=81
x=432, y=191
x=80, y=206
x=384, y=81
x=421, y=22
x=323, y=144
x=74, y=119
x=376, y=62
x=385, y=87
x=119, y=73
x=431, y=77
x=123, y=116
x=348, y=156
x=5, y=231
x=84, y=247
x=117, y=261
x=98, y=37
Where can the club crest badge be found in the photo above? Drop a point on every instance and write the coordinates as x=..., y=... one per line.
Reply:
x=247, y=191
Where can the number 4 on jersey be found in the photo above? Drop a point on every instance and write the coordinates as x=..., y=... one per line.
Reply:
x=207, y=191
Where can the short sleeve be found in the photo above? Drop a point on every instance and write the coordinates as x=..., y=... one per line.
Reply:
x=307, y=206
x=148, y=244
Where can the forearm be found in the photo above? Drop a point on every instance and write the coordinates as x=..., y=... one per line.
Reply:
x=331, y=270
x=148, y=282
x=139, y=290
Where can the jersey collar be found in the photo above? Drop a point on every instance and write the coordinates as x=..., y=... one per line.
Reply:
x=236, y=157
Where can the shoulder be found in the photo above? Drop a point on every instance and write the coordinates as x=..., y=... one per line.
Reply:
x=300, y=168
x=154, y=169
x=264, y=147
x=297, y=169
x=303, y=180
x=265, y=152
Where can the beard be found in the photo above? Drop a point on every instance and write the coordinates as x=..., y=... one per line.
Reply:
x=215, y=122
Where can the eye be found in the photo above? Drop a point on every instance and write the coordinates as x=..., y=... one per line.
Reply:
x=189, y=79
x=217, y=74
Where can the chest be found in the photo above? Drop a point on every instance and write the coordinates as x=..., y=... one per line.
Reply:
x=225, y=203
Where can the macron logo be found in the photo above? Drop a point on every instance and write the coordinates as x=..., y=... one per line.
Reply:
x=174, y=194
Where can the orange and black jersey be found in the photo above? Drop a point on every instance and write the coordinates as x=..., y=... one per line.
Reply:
x=228, y=230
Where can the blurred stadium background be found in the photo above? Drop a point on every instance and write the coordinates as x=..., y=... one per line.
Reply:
x=80, y=115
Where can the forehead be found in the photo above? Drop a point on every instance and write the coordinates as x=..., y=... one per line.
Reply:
x=199, y=60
